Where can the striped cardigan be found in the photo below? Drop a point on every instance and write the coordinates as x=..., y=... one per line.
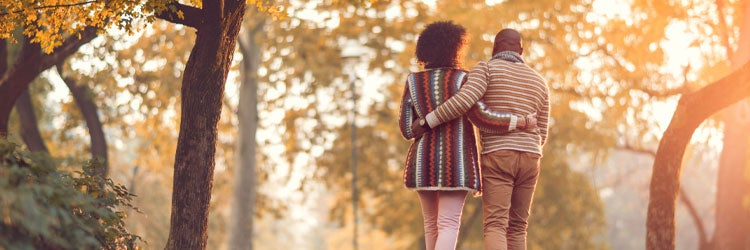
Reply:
x=444, y=158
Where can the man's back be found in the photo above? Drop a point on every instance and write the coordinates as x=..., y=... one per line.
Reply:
x=518, y=89
x=506, y=87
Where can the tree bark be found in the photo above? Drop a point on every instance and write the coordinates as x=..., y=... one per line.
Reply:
x=691, y=110
x=89, y=110
x=245, y=178
x=31, y=62
x=3, y=56
x=29, y=128
x=732, y=217
x=202, y=94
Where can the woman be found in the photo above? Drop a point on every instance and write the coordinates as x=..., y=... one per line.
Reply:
x=442, y=162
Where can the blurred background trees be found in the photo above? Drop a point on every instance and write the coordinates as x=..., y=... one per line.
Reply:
x=282, y=177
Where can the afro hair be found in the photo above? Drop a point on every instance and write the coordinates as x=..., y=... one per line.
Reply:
x=440, y=45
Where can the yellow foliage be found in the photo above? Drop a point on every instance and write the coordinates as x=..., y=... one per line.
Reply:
x=276, y=11
x=50, y=22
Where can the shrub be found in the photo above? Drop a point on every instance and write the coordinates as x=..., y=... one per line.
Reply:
x=42, y=207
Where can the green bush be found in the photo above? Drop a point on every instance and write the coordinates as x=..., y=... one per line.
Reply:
x=42, y=207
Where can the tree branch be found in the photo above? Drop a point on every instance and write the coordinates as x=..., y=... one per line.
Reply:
x=94, y=125
x=692, y=109
x=191, y=16
x=68, y=47
x=29, y=65
x=571, y=91
x=702, y=236
x=700, y=228
x=683, y=89
x=666, y=92
x=631, y=148
x=29, y=128
x=51, y=6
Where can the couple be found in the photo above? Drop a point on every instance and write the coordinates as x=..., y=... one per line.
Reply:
x=502, y=97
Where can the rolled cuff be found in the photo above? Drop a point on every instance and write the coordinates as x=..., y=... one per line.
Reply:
x=432, y=120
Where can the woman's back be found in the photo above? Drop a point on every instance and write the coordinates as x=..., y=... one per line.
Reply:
x=445, y=157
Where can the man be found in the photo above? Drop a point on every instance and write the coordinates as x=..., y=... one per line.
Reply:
x=510, y=161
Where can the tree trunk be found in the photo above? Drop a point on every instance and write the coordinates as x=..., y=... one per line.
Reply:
x=202, y=94
x=245, y=178
x=732, y=217
x=29, y=128
x=691, y=110
x=31, y=62
x=3, y=56
x=16, y=81
x=86, y=105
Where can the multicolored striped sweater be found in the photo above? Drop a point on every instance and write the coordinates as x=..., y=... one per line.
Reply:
x=444, y=158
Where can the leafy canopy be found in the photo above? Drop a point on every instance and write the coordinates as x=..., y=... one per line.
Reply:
x=50, y=22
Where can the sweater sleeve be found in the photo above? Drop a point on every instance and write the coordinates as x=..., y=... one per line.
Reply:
x=407, y=114
x=467, y=95
x=496, y=122
x=543, y=118
x=480, y=115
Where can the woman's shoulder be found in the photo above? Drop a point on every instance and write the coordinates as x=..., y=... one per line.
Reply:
x=440, y=71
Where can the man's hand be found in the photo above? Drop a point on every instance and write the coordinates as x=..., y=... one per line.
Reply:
x=530, y=122
x=417, y=129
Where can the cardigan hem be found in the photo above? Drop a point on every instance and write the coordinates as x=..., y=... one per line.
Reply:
x=442, y=188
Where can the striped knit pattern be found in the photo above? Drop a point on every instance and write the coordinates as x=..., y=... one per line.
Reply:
x=490, y=121
x=504, y=87
x=445, y=158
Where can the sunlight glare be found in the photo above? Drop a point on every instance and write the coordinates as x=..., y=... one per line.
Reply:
x=493, y=2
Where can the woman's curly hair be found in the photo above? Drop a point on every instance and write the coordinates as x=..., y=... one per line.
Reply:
x=440, y=45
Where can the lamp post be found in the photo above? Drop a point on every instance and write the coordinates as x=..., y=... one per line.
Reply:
x=351, y=54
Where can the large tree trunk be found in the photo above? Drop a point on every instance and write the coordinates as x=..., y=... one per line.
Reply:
x=245, y=178
x=29, y=128
x=202, y=94
x=732, y=217
x=691, y=110
x=86, y=105
x=31, y=62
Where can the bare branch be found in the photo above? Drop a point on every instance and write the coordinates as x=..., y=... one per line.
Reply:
x=571, y=91
x=702, y=236
x=665, y=93
x=631, y=148
x=65, y=5
x=191, y=16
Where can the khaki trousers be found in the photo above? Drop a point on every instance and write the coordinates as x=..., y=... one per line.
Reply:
x=509, y=179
